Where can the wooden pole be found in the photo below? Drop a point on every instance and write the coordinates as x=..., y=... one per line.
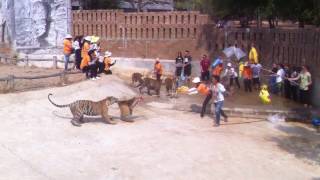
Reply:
x=10, y=83
x=27, y=61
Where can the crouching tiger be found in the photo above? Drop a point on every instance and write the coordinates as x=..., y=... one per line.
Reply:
x=80, y=108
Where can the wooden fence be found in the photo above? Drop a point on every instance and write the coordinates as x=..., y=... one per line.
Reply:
x=11, y=79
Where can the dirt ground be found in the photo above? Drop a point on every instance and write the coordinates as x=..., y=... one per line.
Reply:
x=26, y=85
x=37, y=141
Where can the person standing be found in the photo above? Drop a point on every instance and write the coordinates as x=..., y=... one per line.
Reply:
x=85, y=56
x=247, y=77
x=217, y=70
x=77, y=45
x=256, y=69
x=201, y=88
x=287, y=71
x=294, y=85
x=187, y=64
x=205, y=64
x=218, y=98
x=158, y=70
x=280, y=76
x=233, y=75
x=253, y=54
x=67, y=50
x=179, y=64
x=305, y=85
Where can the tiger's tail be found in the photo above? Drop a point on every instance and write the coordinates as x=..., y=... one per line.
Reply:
x=60, y=106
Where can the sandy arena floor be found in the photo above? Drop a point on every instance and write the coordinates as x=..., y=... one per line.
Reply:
x=37, y=141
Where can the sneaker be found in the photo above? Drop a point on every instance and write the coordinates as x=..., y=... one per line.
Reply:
x=201, y=115
x=98, y=77
x=93, y=79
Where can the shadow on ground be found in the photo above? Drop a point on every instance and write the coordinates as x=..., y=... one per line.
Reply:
x=299, y=141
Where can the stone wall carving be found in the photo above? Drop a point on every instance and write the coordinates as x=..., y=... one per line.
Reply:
x=35, y=25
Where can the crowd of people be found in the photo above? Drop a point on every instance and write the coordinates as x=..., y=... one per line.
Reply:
x=216, y=76
x=88, y=57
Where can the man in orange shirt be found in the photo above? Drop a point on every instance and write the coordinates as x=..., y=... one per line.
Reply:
x=67, y=50
x=158, y=69
x=216, y=72
x=203, y=89
x=247, y=77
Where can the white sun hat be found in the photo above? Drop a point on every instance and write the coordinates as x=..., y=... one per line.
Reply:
x=196, y=80
x=68, y=36
x=229, y=64
x=88, y=38
x=107, y=54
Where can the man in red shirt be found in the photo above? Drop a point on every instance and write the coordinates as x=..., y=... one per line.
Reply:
x=205, y=64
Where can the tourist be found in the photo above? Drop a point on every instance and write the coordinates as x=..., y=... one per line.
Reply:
x=77, y=45
x=158, y=70
x=280, y=79
x=287, y=71
x=233, y=75
x=217, y=70
x=294, y=85
x=108, y=62
x=253, y=54
x=187, y=64
x=179, y=65
x=218, y=98
x=247, y=77
x=205, y=64
x=305, y=85
x=84, y=66
x=67, y=50
x=256, y=69
x=92, y=67
x=272, y=80
x=201, y=88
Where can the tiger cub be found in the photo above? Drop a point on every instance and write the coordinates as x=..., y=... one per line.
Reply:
x=80, y=108
x=126, y=108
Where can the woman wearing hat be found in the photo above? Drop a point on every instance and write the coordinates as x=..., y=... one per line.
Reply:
x=85, y=56
x=67, y=50
x=108, y=62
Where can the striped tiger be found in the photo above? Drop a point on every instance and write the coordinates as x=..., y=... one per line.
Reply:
x=80, y=108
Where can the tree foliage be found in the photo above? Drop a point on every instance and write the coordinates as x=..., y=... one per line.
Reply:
x=302, y=11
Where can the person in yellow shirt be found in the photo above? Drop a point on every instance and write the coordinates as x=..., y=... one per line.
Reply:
x=158, y=69
x=108, y=62
x=67, y=50
x=253, y=54
x=85, y=56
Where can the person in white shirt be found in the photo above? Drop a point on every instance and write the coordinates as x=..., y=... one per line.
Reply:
x=232, y=74
x=280, y=78
x=218, y=98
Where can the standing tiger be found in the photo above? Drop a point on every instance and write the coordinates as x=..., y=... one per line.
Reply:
x=80, y=108
x=126, y=108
